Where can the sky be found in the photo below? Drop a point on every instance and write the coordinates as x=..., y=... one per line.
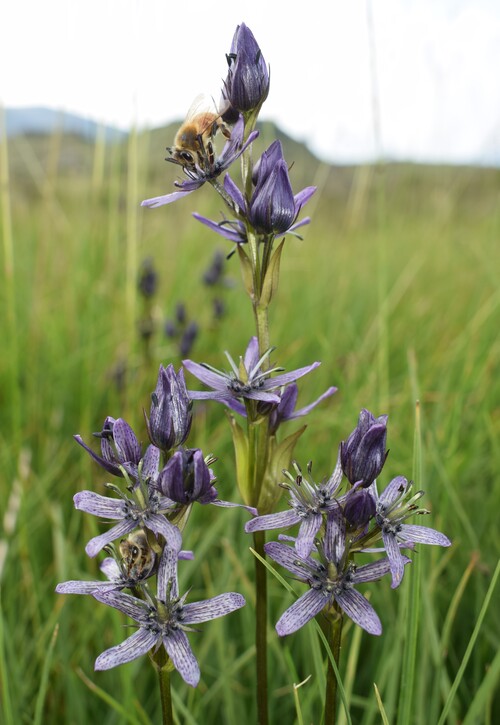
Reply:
x=356, y=80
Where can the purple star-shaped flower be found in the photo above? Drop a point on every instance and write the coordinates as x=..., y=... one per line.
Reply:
x=164, y=620
x=199, y=174
x=391, y=511
x=130, y=514
x=309, y=502
x=248, y=381
x=331, y=579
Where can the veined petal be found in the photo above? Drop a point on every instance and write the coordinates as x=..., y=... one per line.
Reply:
x=110, y=568
x=307, y=533
x=213, y=380
x=371, y=572
x=290, y=377
x=212, y=608
x=107, y=465
x=165, y=199
x=150, y=462
x=180, y=652
x=303, y=610
x=225, y=230
x=129, y=605
x=102, y=506
x=79, y=587
x=167, y=572
x=135, y=646
x=279, y=520
x=303, y=196
x=160, y=525
x=307, y=409
x=231, y=505
x=394, y=490
x=288, y=558
x=126, y=442
x=96, y=544
x=422, y=535
x=395, y=558
x=234, y=192
x=359, y=610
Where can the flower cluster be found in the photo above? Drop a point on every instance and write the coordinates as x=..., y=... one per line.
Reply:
x=337, y=526
x=162, y=483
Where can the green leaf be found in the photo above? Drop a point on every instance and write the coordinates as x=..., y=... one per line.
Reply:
x=271, y=280
x=246, y=272
x=279, y=458
x=240, y=442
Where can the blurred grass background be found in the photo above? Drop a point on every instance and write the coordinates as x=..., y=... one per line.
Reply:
x=395, y=288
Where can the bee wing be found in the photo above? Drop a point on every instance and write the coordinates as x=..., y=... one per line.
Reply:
x=201, y=104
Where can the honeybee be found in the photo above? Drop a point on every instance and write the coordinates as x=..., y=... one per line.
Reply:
x=138, y=557
x=193, y=141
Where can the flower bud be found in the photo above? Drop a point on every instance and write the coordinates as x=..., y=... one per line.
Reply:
x=359, y=508
x=247, y=84
x=363, y=454
x=170, y=416
x=187, y=478
x=272, y=208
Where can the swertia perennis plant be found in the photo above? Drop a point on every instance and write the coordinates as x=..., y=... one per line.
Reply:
x=340, y=520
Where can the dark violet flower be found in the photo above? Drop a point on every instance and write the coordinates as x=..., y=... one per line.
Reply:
x=363, y=454
x=186, y=478
x=391, y=512
x=248, y=381
x=170, y=416
x=119, y=447
x=145, y=511
x=198, y=175
x=164, y=620
x=247, y=84
x=331, y=579
x=309, y=502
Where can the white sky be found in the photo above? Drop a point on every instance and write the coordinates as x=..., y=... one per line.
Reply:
x=435, y=78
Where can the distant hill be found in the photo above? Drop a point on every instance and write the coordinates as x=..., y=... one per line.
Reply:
x=42, y=121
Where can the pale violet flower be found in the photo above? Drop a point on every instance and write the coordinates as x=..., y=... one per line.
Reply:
x=164, y=620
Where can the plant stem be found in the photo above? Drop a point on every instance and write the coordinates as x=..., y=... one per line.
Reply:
x=334, y=636
x=165, y=696
x=259, y=539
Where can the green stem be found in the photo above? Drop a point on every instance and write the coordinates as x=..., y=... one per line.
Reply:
x=165, y=696
x=259, y=539
x=334, y=636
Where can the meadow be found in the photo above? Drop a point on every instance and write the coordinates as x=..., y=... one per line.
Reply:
x=395, y=288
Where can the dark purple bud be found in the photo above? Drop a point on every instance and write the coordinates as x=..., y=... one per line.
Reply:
x=188, y=338
x=148, y=279
x=359, y=508
x=247, y=84
x=215, y=272
x=170, y=415
x=219, y=308
x=180, y=313
x=272, y=208
x=170, y=329
x=187, y=478
x=363, y=454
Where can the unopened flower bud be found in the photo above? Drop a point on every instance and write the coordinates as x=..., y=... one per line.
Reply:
x=363, y=454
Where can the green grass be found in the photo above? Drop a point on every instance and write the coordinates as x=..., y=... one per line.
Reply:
x=395, y=288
